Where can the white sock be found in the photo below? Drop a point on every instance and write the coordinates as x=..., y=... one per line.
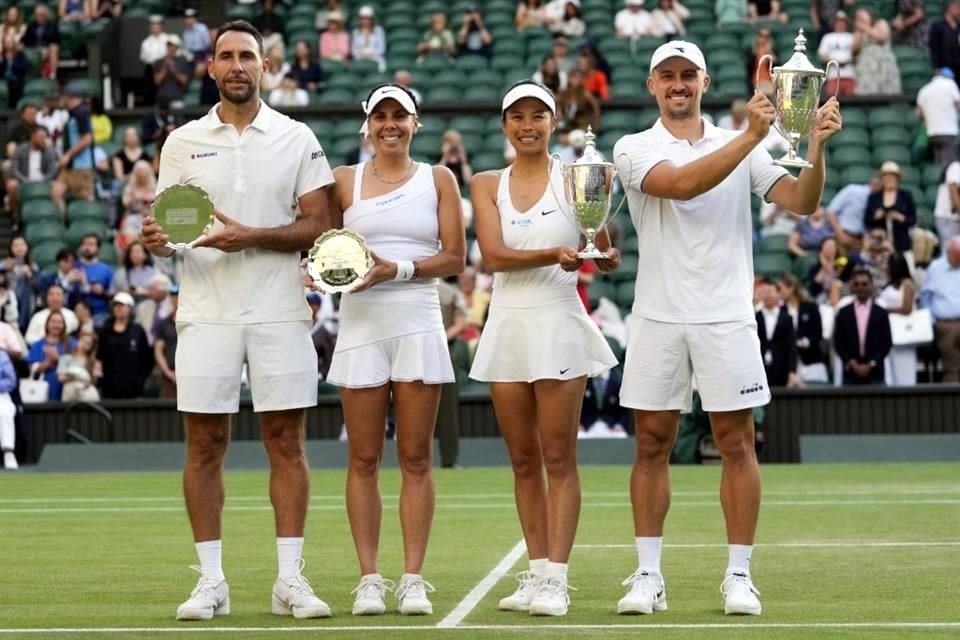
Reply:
x=557, y=570
x=289, y=551
x=539, y=566
x=209, y=553
x=648, y=553
x=739, y=558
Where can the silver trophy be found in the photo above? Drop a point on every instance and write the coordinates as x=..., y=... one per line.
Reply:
x=796, y=97
x=587, y=187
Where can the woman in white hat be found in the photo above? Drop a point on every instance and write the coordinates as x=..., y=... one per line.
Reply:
x=392, y=340
x=538, y=346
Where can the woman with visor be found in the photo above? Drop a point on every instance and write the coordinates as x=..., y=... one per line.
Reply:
x=391, y=340
x=538, y=346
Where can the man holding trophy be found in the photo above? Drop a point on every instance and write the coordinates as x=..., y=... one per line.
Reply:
x=242, y=300
x=688, y=184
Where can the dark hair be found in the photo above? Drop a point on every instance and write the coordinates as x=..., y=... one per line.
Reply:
x=824, y=241
x=126, y=254
x=899, y=268
x=65, y=253
x=242, y=26
x=96, y=105
x=861, y=270
x=38, y=127
x=767, y=280
x=416, y=103
x=91, y=235
x=65, y=336
x=27, y=259
x=520, y=83
x=576, y=9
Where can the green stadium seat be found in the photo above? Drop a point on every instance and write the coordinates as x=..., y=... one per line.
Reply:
x=337, y=95
x=773, y=244
x=471, y=63
x=77, y=230
x=45, y=254
x=625, y=294
x=444, y=93
x=891, y=135
x=321, y=127
x=601, y=288
x=39, y=87
x=628, y=90
x=850, y=136
x=932, y=174
x=28, y=191
x=86, y=210
x=481, y=92
x=771, y=264
x=37, y=232
x=900, y=154
x=847, y=155
x=487, y=161
x=40, y=211
x=802, y=264
x=109, y=253
x=468, y=124
x=627, y=271
x=854, y=117
x=858, y=174
x=887, y=117
x=426, y=145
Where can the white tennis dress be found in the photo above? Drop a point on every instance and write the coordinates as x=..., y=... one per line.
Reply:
x=537, y=327
x=394, y=330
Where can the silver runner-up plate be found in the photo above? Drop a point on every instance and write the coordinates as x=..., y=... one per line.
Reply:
x=338, y=260
x=184, y=212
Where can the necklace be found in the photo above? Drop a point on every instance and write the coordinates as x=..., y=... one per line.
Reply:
x=385, y=180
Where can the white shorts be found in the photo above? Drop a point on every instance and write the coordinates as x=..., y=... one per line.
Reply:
x=663, y=358
x=422, y=356
x=281, y=362
x=540, y=334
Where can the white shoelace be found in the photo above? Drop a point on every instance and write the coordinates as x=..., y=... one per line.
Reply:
x=205, y=586
x=415, y=588
x=644, y=581
x=555, y=587
x=736, y=579
x=373, y=587
x=529, y=582
x=299, y=585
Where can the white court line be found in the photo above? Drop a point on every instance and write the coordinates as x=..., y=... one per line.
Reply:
x=787, y=545
x=442, y=504
x=483, y=587
x=525, y=628
x=484, y=496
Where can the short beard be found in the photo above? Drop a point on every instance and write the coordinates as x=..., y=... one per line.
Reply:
x=686, y=113
x=241, y=97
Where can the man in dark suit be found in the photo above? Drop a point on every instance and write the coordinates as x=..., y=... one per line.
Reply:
x=601, y=403
x=861, y=334
x=778, y=345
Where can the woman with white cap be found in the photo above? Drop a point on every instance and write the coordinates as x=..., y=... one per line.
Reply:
x=538, y=346
x=392, y=340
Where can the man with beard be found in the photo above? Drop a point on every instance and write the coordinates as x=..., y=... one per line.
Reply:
x=241, y=300
x=689, y=186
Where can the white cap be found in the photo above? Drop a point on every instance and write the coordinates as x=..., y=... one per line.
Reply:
x=123, y=298
x=160, y=281
x=528, y=90
x=633, y=3
x=365, y=11
x=384, y=93
x=678, y=49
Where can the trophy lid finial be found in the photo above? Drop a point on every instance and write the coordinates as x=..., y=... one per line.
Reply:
x=800, y=42
x=590, y=154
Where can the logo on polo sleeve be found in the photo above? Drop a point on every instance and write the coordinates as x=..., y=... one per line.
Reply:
x=202, y=155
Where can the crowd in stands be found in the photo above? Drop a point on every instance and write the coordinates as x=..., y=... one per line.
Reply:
x=94, y=317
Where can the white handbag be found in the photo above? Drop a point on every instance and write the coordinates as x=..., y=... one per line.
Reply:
x=33, y=390
x=914, y=329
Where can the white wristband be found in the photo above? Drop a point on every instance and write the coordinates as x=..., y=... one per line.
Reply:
x=404, y=270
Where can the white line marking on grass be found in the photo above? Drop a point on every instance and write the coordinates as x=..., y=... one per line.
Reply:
x=482, y=496
x=443, y=504
x=787, y=545
x=526, y=628
x=483, y=587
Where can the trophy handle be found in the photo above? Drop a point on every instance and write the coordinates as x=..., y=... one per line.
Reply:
x=826, y=74
x=768, y=59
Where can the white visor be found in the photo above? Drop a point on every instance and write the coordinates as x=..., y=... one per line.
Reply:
x=528, y=90
x=385, y=93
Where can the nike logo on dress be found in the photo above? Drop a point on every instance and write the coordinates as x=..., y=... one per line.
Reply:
x=563, y=371
x=546, y=213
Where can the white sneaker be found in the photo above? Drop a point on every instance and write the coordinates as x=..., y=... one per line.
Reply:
x=520, y=599
x=552, y=598
x=412, y=596
x=295, y=597
x=739, y=595
x=10, y=461
x=211, y=597
x=370, y=595
x=647, y=593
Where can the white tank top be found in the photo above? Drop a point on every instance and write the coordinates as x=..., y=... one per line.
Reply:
x=546, y=224
x=400, y=225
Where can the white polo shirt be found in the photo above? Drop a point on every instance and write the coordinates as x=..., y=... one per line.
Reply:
x=695, y=256
x=939, y=99
x=629, y=24
x=255, y=178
